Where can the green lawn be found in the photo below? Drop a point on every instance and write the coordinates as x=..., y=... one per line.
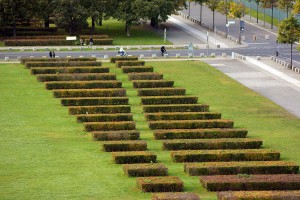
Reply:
x=45, y=154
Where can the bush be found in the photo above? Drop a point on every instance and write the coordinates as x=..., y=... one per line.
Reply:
x=168, y=100
x=63, y=64
x=145, y=76
x=160, y=184
x=229, y=168
x=175, y=196
x=121, y=63
x=123, y=58
x=143, y=170
x=133, y=157
x=38, y=42
x=116, y=135
x=176, y=108
x=132, y=145
x=136, y=69
x=74, y=110
x=67, y=70
x=89, y=93
x=161, y=91
x=92, y=101
x=251, y=182
x=109, y=126
x=25, y=60
x=152, y=84
x=105, y=117
x=106, y=41
x=38, y=29
x=199, y=133
x=75, y=77
x=87, y=37
x=82, y=84
x=225, y=155
x=182, y=116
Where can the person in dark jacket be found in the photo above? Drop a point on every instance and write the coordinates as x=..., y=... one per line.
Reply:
x=163, y=50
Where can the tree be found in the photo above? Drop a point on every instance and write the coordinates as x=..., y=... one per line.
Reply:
x=213, y=5
x=286, y=5
x=201, y=2
x=46, y=10
x=296, y=7
x=289, y=33
x=223, y=8
x=257, y=4
x=270, y=4
x=237, y=11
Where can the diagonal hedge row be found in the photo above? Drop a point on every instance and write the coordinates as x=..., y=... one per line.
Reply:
x=109, y=126
x=161, y=92
x=75, y=77
x=182, y=116
x=93, y=101
x=160, y=184
x=75, y=110
x=152, y=83
x=175, y=108
x=156, y=100
x=175, y=196
x=66, y=93
x=63, y=64
x=69, y=70
x=25, y=60
x=259, y=195
x=145, y=76
x=131, y=69
x=123, y=58
x=144, y=170
x=115, y=135
x=83, y=84
x=133, y=157
x=105, y=117
x=121, y=63
x=131, y=145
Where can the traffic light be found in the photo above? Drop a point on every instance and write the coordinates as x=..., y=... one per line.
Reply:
x=242, y=26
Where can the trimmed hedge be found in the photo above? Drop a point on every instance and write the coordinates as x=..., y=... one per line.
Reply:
x=145, y=76
x=132, y=69
x=91, y=101
x=75, y=77
x=116, y=135
x=152, y=84
x=251, y=182
x=168, y=100
x=87, y=37
x=120, y=92
x=109, y=126
x=143, y=170
x=131, y=145
x=225, y=155
x=121, y=63
x=63, y=64
x=160, y=184
x=198, y=144
x=252, y=167
x=21, y=29
x=133, y=157
x=182, y=116
x=191, y=124
x=25, y=60
x=161, y=91
x=104, y=41
x=175, y=196
x=175, y=108
x=105, y=117
x=67, y=70
x=123, y=58
x=82, y=84
x=73, y=110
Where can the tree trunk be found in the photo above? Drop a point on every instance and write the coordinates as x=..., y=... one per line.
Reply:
x=213, y=20
x=272, y=16
x=240, y=33
x=14, y=29
x=257, y=12
x=291, y=55
x=100, y=20
x=47, y=21
x=189, y=8
x=93, y=23
x=127, y=29
x=200, y=14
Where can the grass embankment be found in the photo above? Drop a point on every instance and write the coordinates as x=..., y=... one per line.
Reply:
x=46, y=154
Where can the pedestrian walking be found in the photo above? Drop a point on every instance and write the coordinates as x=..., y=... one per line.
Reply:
x=91, y=41
x=53, y=54
x=50, y=54
x=81, y=41
x=163, y=50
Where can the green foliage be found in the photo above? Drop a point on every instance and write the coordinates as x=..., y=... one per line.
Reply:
x=144, y=170
x=161, y=91
x=236, y=10
x=175, y=108
x=54, y=63
x=116, y=135
x=68, y=70
x=270, y=195
x=105, y=117
x=74, y=110
x=25, y=60
x=132, y=69
x=145, y=76
x=175, y=196
x=73, y=77
x=289, y=31
x=123, y=58
x=169, y=100
x=93, y=101
x=38, y=42
x=152, y=83
x=160, y=184
x=182, y=116
x=83, y=84
x=109, y=126
x=132, y=145
x=121, y=63
x=89, y=93
x=133, y=157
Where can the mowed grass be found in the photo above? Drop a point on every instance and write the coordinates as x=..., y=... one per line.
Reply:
x=46, y=154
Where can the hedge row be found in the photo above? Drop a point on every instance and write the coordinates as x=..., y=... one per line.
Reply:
x=143, y=170
x=191, y=124
x=121, y=63
x=131, y=145
x=133, y=157
x=109, y=126
x=160, y=184
x=225, y=155
x=161, y=91
x=120, y=92
x=83, y=84
x=133, y=69
x=75, y=77
x=116, y=135
x=175, y=196
x=259, y=195
x=39, y=29
x=182, y=116
x=73, y=110
x=32, y=33
x=67, y=70
x=251, y=182
x=169, y=100
x=252, y=167
x=198, y=144
x=63, y=64
x=92, y=101
x=152, y=83
x=175, y=108
x=123, y=58
x=25, y=60
x=145, y=76
x=105, y=117
x=104, y=41
x=199, y=133
x=94, y=36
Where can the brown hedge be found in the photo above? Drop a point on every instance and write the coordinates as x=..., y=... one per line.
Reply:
x=161, y=91
x=123, y=58
x=152, y=83
x=105, y=117
x=92, y=101
x=121, y=63
x=145, y=76
x=136, y=69
x=87, y=37
x=75, y=77
x=143, y=170
x=160, y=184
x=225, y=155
x=120, y=92
x=115, y=135
x=104, y=41
x=250, y=167
x=131, y=145
x=73, y=110
x=176, y=108
x=155, y=100
x=182, y=116
x=109, y=126
x=133, y=157
x=25, y=60
x=175, y=196
x=83, y=84
x=68, y=70
x=251, y=182
x=63, y=64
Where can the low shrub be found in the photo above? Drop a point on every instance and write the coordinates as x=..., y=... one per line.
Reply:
x=175, y=196
x=152, y=84
x=161, y=91
x=63, y=64
x=225, y=155
x=38, y=42
x=121, y=63
x=104, y=41
x=83, y=84
x=67, y=70
x=175, y=108
x=74, y=110
x=93, y=101
x=75, y=77
x=154, y=100
x=131, y=145
x=25, y=60
x=133, y=157
x=145, y=76
x=143, y=170
x=21, y=29
x=229, y=168
x=105, y=117
x=136, y=69
x=120, y=92
x=87, y=37
x=251, y=182
x=182, y=116
x=123, y=58
x=160, y=184
x=116, y=135
x=109, y=126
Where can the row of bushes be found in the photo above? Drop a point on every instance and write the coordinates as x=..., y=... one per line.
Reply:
x=31, y=33
x=182, y=116
x=75, y=77
x=105, y=117
x=134, y=157
x=115, y=92
x=121, y=63
x=175, y=196
x=143, y=170
x=225, y=155
x=168, y=100
x=25, y=60
x=160, y=184
x=83, y=84
x=161, y=91
x=30, y=64
x=123, y=58
x=251, y=182
x=68, y=70
x=109, y=126
x=115, y=135
x=133, y=145
x=152, y=83
x=136, y=69
x=175, y=108
x=145, y=76
x=39, y=29
x=75, y=110
x=253, y=167
x=93, y=101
